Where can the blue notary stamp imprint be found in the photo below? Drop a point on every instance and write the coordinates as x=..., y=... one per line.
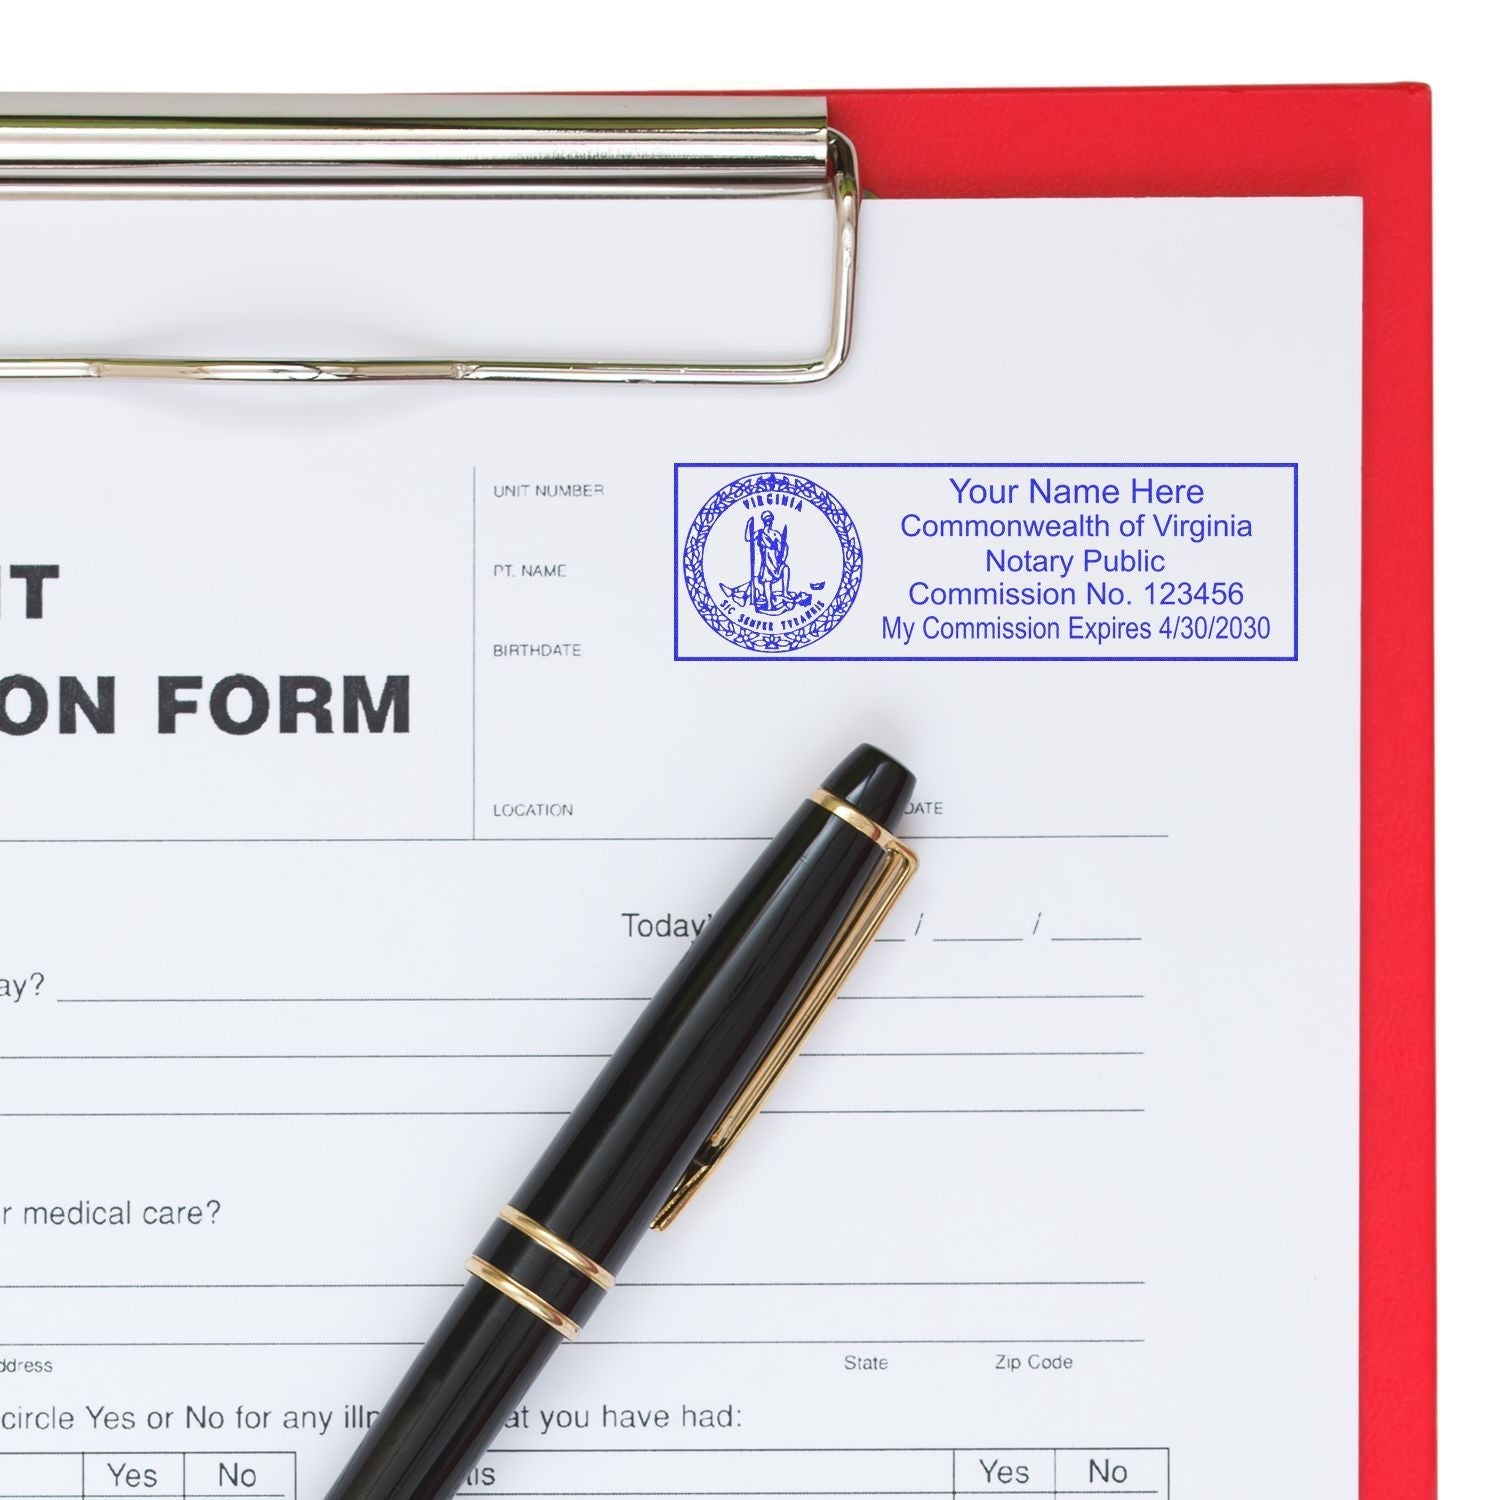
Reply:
x=772, y=562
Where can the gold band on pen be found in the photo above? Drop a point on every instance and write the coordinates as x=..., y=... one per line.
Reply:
x=523, y=1296
x=570, y=1255
x=853, y=817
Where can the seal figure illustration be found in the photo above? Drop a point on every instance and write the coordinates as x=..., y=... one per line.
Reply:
x=772, y=562
x=769, y=588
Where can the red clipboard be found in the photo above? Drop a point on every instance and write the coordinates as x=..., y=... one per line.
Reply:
x=1373, y=142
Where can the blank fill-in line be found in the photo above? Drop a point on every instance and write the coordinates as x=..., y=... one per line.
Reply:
x=912, y=838
x=533, y=999
x=481, y=1114
x=979, y=1052
x=583, y=1344
x=300, y=1057
x=979, y=940
x=424, y=1286
x=23, y=1057
x=1013, y=995
x=352, y=1000
x=1096, y=940
x=544, y=838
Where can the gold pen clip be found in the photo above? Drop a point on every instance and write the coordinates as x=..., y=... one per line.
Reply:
x=851, y=940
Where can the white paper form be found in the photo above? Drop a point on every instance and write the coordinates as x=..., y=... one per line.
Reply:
x=371, y=754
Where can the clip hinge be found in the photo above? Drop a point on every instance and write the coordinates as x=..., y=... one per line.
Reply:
x=853, y=937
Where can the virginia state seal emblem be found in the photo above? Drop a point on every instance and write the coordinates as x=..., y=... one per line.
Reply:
x=772, y=562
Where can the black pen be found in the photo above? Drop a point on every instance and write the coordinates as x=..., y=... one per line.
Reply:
x=692, y=1072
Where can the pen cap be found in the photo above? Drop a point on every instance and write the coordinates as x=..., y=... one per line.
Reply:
x=875, y=783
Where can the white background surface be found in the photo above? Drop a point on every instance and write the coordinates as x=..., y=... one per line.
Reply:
x=381, y=45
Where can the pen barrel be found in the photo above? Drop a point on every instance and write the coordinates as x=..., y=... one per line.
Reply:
x=470, y=1376
x=612, y=1164
x=546, y=1262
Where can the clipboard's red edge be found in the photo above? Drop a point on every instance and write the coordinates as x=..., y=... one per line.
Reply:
x=1375, y=142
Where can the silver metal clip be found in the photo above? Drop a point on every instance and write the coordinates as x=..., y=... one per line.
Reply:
x=267, y=146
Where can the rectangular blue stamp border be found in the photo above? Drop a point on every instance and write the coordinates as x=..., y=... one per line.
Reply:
x=808, y=463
